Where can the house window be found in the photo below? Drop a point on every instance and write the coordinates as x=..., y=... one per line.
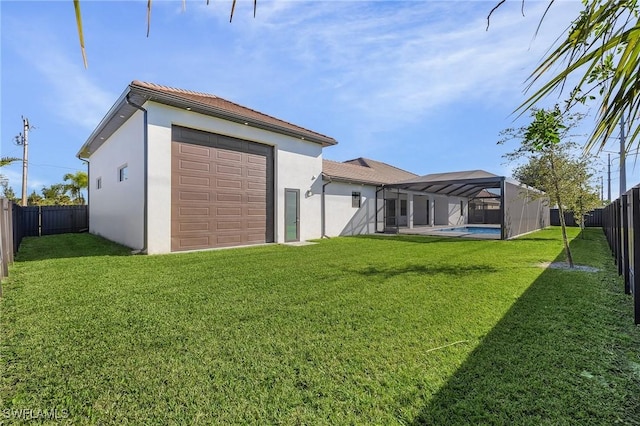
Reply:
x=355, y=199
x=99, y=183
x=123, y=173
x=461, y=207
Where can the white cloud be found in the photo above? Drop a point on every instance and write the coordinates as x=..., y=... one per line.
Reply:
x=400, y=61
x=70, y=93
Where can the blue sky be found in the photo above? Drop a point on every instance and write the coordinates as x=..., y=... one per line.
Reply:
x=420, y=84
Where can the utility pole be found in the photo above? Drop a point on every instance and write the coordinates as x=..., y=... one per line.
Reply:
x=601, y=188
x=609, y=178
x=23, y=139
x=623, y=169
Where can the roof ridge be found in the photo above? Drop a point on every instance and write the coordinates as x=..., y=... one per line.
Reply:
x=390, y=165
x=344, y=163
x=174, y=89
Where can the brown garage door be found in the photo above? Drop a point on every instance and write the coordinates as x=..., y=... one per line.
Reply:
x=222, y=191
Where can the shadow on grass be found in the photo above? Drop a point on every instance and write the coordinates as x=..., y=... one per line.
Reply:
x=561, y=355
x=451, y=270
x=421, y=239
x=68, y=246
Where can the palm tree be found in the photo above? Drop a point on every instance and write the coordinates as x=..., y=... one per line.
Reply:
x=77, y=182
x=602, y=52
x=5, y=161
x=76, y=5
x=55, y=195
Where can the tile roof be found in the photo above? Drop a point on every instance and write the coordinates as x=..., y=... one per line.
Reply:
x=217, y=103
x=364, y=170
x=454, y=176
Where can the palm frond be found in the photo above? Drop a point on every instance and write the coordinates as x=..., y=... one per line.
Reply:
x=76, y=5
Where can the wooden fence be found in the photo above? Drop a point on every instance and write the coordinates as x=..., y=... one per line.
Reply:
x=621, y=220
x=593, y=219
x=17, y=222
x=6, y=238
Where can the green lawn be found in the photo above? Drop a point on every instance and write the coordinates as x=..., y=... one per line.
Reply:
x=369, y=330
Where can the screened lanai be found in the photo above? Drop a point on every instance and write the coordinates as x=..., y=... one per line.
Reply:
x=521, y=209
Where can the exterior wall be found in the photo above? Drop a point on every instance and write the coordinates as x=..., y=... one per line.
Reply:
x=298, y=165
x=456, y=216
x=116, y=209
x=447, y=211
x=441, y=211
x=341, y=218
x=524, y=210
x=420, y=210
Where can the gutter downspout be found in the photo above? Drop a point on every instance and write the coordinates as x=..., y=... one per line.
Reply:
x=145, y=173
x=323, y=213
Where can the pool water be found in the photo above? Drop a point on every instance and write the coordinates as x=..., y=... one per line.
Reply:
x=472, y=230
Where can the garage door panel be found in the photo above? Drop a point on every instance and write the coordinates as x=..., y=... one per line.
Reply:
x=194, y=196
x=195, y=150
x=222, y=169
x=192, y=243
x=219, y=197
x=187, y=227
x=222, y=197
x=228, y=183
x=194, y=211
x=227, y=240
x=257, y=173
x=223, y=212
x=189, y=165
x=228, y=156
x=185, y=180
x=229, y=226
x=256, y=198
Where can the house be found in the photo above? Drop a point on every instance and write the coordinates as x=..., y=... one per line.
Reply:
x=174, y=170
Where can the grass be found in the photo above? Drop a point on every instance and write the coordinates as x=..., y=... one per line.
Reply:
x=370, y=330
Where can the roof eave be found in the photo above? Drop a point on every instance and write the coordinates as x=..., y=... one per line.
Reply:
x=121, y=111
x=328, y=177
x=98, y=136
x=177, y=101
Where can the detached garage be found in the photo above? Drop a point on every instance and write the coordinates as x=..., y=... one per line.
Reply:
x=221, y=191
x=174, y=170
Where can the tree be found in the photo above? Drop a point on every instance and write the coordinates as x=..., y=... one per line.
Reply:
x=5, y=161
x=7, y=192
x=34, y=199
x=551, y=164
x=77, y=182
x=76, y=6
x=54, y=195
x=601, y=50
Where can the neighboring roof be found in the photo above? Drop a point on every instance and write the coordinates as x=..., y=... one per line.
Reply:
x=138, y=93
x=364, y=170
x=486, y=194
x=464, y=184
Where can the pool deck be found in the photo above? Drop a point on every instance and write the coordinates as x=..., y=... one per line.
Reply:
x=435, y=231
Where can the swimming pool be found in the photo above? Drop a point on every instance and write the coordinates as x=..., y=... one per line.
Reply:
x=471, y=230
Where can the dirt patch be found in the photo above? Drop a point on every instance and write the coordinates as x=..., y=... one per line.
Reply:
x=565, y=266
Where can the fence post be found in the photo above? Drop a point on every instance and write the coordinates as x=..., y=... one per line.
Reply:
x=634, y=270
x=624, y=207
x=4, y=222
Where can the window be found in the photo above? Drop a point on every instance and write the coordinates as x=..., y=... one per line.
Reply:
x=355, y=199
x=123, y=173
x=461, y=207
x=99, y=183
